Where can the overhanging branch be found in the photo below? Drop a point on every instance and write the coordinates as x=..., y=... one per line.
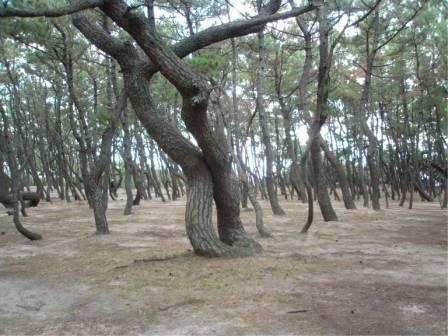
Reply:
x=233, y=29
x=50, y=12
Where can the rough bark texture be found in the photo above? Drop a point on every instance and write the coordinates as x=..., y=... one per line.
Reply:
x=212, y=160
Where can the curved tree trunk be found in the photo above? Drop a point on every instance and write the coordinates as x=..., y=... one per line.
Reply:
x=309, y=219
x=200, y=179
x=226, y=185
x=195, y=94
x=242, y=172
x=13, y=166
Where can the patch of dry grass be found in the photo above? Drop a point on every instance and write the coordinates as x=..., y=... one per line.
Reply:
x=324, y=272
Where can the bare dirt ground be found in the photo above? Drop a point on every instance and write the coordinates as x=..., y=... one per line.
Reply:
x=370, y=273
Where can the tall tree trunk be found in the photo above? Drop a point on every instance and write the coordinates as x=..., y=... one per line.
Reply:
x=372, y=147
x=275, y=206
x=127, y=157
x=319, y=118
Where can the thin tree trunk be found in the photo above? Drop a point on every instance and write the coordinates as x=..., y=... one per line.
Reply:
x=275, y=206
x=127, y=157
x=342, y=177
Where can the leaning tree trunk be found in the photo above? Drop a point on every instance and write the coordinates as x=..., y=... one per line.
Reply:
x=198, y=214
x=259, y=223
x=14, y=169
x=142, y=156
x=21, y=126
x=195, y=93
x=309, y=219
x=200, y=184
x=158, y=187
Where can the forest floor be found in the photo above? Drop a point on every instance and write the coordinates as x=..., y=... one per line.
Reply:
x=372, y=272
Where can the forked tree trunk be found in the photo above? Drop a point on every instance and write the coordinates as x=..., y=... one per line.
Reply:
x=212, y=159
x=202, y=187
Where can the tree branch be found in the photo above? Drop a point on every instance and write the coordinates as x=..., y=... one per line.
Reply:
x=402, y=27
x=50, y=12
x=362, y=18
x=234, y=29
x=97, y=35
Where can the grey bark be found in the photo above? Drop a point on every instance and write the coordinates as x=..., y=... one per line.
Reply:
x=264, y=124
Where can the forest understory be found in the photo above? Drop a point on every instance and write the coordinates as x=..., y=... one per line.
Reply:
x=372, y=272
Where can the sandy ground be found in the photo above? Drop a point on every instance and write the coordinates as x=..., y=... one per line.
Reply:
x=372, y=272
